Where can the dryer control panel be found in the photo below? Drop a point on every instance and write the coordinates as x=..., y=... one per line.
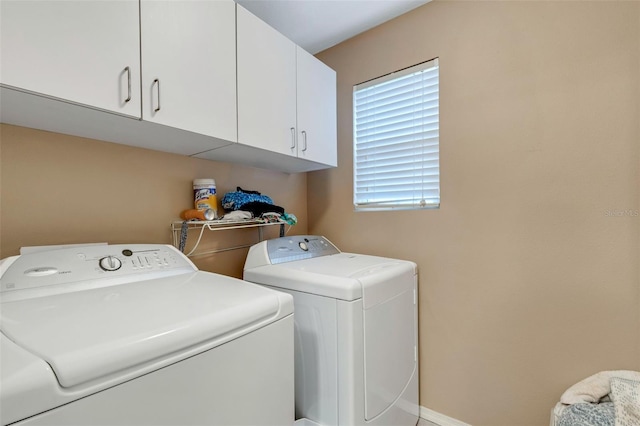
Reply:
x=299, y=247
x=56, y=270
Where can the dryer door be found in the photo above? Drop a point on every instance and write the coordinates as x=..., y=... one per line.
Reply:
x=389, y=337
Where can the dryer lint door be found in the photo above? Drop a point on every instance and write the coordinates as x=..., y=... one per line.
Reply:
x=390, y=321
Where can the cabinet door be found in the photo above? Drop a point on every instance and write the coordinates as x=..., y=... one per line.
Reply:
x=317, y=132
x=188, y=62
x=86, y=52
x=266, y=86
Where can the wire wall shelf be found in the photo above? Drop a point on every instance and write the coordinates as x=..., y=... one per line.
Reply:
x=180, y=230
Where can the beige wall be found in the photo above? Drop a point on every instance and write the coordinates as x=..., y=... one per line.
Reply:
x=59, y=189
x=529, y=277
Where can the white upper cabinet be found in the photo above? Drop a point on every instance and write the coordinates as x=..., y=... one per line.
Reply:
x=316, y=102
x=266, y=86
x=286, y=97
x=204, y=78
x=85, y=52
x=189, y=65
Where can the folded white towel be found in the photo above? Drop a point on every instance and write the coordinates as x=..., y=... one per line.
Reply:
x=595, y=387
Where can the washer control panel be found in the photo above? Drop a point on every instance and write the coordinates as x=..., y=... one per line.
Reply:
x=299, y=247
x=62, y=266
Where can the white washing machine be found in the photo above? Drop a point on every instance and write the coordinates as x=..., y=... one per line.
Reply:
x=356, y=360
x=136, y=335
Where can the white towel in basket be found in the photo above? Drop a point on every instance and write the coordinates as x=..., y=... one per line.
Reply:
x=595, y=387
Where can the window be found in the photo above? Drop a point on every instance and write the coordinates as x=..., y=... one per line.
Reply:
x=396, y=140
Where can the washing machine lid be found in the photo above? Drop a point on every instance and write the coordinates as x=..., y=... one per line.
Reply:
x=95, y=335
x=344, y=276
x=28, y=383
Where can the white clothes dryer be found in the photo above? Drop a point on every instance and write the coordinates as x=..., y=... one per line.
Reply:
x=356, y=360
x=136, y=335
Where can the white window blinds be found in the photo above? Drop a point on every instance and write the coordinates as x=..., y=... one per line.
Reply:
x=396, y=140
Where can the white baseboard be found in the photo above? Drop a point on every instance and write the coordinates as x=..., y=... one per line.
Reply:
x=439, y=419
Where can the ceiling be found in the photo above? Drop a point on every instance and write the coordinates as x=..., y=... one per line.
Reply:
x=316, y=25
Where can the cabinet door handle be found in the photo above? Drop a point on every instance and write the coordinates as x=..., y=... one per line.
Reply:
x=293, y=137
x=304, y=140
x=128, y=71
x=157, y=82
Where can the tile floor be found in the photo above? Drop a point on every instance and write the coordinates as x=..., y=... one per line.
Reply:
x=423, y=422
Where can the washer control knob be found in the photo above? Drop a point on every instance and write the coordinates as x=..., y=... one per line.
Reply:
x=303, y=246
x=110, y=263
